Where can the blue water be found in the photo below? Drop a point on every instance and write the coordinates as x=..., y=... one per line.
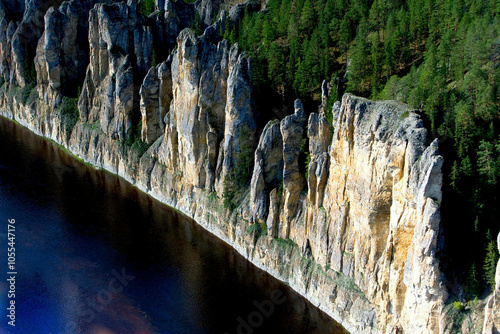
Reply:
x=95, y=255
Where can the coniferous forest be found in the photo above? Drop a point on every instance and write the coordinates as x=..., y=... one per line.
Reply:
x=439, y=56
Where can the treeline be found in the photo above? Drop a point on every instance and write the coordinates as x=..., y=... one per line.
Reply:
x=440, y=56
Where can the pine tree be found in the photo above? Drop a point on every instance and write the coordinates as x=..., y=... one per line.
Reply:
x=358, y=66
x=276, y=68
x=198, y=24
x=472, y=288
x=344, y=36
x=486, y=162
x=455, y=176
x=307, y=18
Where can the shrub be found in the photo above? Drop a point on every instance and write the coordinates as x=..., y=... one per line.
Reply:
x=280, y=189
x=146, y=7
x=69, y=113
x=228, y=194
x=254, y=228
x=308, y=161
x=263, y=227
x=472, y=287
x=458, y=306
x=22, y=94
x=244, y=163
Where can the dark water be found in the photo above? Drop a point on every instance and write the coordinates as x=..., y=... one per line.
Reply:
x=95, y=255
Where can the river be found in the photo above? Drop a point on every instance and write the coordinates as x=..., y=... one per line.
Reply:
x=93, y=254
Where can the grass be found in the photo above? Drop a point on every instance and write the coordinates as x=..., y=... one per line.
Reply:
x=22, y=95
x=258, y=230
x=284, y=243
x=348, y=284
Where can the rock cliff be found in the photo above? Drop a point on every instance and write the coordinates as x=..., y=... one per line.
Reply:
x=348, y=214
x=492, y=311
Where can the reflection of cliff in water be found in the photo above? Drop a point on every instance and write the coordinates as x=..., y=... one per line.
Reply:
x=100, y=256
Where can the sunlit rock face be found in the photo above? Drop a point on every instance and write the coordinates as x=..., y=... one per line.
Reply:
x=357, y=235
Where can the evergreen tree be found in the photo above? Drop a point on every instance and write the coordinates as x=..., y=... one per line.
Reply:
x=486, y=162
x=358, y=66
x=307, y=18
x=276, y=68
x=344, y=36
x=472, y=287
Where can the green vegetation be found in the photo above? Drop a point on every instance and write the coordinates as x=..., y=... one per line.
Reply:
x=229, y=194
x=285, y=243
x=29, y=66
x=263, y=228
x=25, y=94
x=472, y=287
x=255, y=229
x=244, y=165
x=458, y=306
x=69, y=113
x=198, y=24
x=153, y=58
x=146, y=7
x=307, y=162
x=280, y=189
x=134, y=139
x=239, y=180
x=438, y=56
x=347, y=283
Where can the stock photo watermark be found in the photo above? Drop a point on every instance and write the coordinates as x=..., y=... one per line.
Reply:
x=263, y=310
x=99, y=301
x=11, y=271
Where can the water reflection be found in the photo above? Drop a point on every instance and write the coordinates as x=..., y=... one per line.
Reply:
x=81, y=229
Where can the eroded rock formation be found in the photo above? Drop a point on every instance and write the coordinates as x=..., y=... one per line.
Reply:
x=358, y=236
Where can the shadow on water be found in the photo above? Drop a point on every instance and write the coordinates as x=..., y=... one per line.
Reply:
x=96, y=255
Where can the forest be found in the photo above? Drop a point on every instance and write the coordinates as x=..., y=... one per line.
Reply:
x=439, y=56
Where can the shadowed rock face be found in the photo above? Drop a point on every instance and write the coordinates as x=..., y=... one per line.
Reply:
x=207, y=10
x=120, y=56
x=156, y=95
x=63, y=51
x=357, y=237
x=21, y=25
x=267, y=173
x=171, y=18
x=292, y=129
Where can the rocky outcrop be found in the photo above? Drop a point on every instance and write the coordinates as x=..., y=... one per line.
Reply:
x=207, y=10
x=267, y=174
x=120, y=56
x=62, y=53
x=211, y=115
x=357, y=236
x=384, y=192
x=156, y=95
x=319, y=134
x=170, y=19
x=292, y=130
x=492, y=310
x=21, y=25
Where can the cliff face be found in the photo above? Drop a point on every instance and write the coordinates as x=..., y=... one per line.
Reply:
x=492, y=310
x=358, y=237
